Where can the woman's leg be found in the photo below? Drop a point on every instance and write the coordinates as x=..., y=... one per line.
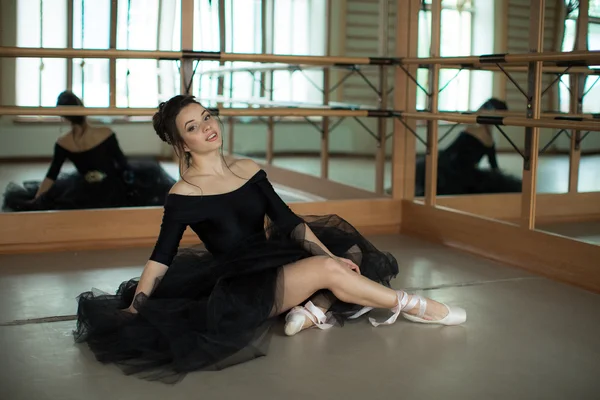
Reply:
x=303, y=278
x=324, y=301
x=321, y=301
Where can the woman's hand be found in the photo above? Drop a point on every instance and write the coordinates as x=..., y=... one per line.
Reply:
x=349, y=263
x=131, y=310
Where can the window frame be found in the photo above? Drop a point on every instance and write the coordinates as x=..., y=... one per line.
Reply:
x=70, y=67
x=421, y=100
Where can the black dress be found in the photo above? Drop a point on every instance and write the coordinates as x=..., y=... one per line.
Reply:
x=103, y=178
x=213, y=308
x=459, y=173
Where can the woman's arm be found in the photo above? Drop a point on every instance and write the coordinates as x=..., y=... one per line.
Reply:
x=279, y=212
x=305, y=236
x=151, y=277
x=120, y=159
x=58, y=159
x=44, y=187
x=492, y=157
x=165, y=249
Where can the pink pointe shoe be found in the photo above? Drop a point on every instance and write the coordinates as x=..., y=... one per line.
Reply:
x=455, y=316
x=296, y=318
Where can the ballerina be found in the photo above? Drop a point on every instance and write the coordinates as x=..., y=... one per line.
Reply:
x=212, y=306
x=104, y=177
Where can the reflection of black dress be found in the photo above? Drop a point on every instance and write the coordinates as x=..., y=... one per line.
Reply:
x=212, y=308
x=458, y=171
x=104, y=178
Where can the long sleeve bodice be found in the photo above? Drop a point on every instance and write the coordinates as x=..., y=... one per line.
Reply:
x=222, y=221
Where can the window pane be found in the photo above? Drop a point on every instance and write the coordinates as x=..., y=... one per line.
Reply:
x=137, y=83
x=54, y=80
x=39, y=81
x=137, y=24
x=206, y=85
x=569, y=35
x=168, y=80
x=244, y=26
x=423, y=79
x=27, y=81
x=424, y=42
x=90, y=81
x=95, y=24
x=594, y=37
x=591, y=101
x=206, y=25
x=594, y=8
x=454, y=97
x=455, y=40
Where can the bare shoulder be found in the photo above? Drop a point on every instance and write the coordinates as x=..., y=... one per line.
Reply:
x=183, y=188
x=65, y=140
x=246, y=168
x=103, y=133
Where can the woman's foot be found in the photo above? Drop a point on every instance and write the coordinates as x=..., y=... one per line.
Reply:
x=420, y=309
x=309, y=316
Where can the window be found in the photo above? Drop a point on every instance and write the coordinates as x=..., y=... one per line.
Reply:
x=91, y=28
x=455, y=40
x=141, y=25
x=39, y=81
x=293, y=27
x=591, y=100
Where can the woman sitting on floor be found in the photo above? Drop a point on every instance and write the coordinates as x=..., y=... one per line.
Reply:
x=458, y=164
x=103, y=178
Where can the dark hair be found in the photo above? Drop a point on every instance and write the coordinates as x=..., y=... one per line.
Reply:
x=165, y=126
x=494, y=104
x=68, y=98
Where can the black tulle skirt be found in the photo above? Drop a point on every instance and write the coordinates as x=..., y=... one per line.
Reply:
x=210, y=312
x=148, y=186
x=456, y=179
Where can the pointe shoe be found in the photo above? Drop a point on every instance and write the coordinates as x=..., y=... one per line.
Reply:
x=455, y=316
x=296, y=318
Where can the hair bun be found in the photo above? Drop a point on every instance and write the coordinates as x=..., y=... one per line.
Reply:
x=158, y=123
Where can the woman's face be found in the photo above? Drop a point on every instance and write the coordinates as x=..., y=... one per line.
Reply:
x=201, y=132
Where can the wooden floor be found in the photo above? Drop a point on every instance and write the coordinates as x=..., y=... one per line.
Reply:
x=526, y=338
x=586, y=231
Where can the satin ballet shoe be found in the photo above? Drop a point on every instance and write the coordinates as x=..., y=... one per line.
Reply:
x=295, y=319
x=455, y=316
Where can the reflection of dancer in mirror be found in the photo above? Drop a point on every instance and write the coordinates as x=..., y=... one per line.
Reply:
x=103, y=178
x=212, y=306
x=458, y=164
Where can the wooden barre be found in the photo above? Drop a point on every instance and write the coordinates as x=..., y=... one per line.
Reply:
x=548, y=69
x=294, y=104
x=242, y=112
x=575, y=58
x=585, y=125
x=567, y=58
x=259, y=68
x=334, y=107
x=500, y=113
x=177, y=55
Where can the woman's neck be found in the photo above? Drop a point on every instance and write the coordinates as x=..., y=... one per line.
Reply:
x=209, y=164
x=79, y=129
